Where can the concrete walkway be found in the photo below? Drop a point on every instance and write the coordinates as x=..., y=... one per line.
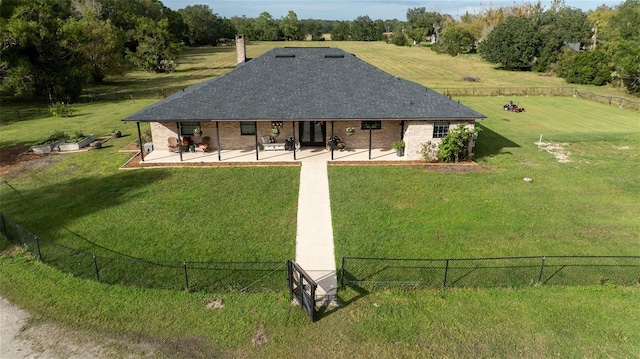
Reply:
x=314, y=239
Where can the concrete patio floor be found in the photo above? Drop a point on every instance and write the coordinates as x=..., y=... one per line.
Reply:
x=319, y=154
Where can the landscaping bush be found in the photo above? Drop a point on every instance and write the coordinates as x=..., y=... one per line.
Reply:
x=61, y=109
x=454, y=146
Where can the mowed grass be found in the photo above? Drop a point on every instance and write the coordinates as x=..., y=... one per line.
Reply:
x=418, y=64
x=99, y=118
x=587, y=206
x=540, y=322
x=218, y=214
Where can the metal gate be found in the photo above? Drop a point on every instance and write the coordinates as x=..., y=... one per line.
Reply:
x=302, y=288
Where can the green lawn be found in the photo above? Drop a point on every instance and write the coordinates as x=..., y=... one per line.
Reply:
x=586, y=206
x=566, y=322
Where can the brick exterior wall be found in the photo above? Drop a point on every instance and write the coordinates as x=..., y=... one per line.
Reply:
x=384, y=138
x=416, y=133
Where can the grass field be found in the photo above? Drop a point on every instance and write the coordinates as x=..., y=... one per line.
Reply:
x=417, y=64
x=586, y=206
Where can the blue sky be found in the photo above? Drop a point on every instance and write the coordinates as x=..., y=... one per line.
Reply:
x=350, y=9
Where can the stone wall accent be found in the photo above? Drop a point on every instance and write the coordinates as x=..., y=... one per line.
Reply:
x=160, y=132
x=420, y=132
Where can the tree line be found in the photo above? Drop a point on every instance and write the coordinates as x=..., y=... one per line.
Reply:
x=597, y=47
x=53, y=48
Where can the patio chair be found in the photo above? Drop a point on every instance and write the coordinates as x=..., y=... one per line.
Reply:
x=172, y=144
x=203, y=146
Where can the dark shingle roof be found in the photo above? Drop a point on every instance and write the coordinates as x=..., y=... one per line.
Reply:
x=305, y=84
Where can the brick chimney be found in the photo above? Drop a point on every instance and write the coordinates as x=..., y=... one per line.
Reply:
x=241, y=49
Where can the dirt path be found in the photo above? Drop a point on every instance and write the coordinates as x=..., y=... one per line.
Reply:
x=22, y=339
x=12, y=320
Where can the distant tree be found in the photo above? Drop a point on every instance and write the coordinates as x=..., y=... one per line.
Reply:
x=457, y=39
x=245, y=26
x=555, y=28
x=624, y=44
x=364, y=29
x=266, y=28
x=340, y=31
x=628, y=66
x=291, y=27
x=312, y=28
x=393, y=25
x=398, y=38
x=35, y=61
x=588, y=67
x=156, y=50
x=625, y=24
x=98, y=45
x=227, y=29
x=203, y=25
x=420, y=23
x=600, y=18
x=512, y=44
x=177, y=28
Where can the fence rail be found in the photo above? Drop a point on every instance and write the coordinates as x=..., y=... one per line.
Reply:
x=195, y=276
x=491, y=272
x=540, y=91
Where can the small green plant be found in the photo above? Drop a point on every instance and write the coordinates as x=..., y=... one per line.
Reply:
x=398, y=145
x=351, y=130
x=77, y=137
x=56, y=136
x=197, y=131
x=429, y=151
x=61, y=109
x=146, y=136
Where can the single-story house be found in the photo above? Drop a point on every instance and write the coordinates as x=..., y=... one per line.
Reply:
x=308, y=95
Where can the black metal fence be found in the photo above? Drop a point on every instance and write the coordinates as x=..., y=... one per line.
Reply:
x=193, y=276
x=491, y=272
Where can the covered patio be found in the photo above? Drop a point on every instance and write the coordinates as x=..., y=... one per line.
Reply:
x=319, y=154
